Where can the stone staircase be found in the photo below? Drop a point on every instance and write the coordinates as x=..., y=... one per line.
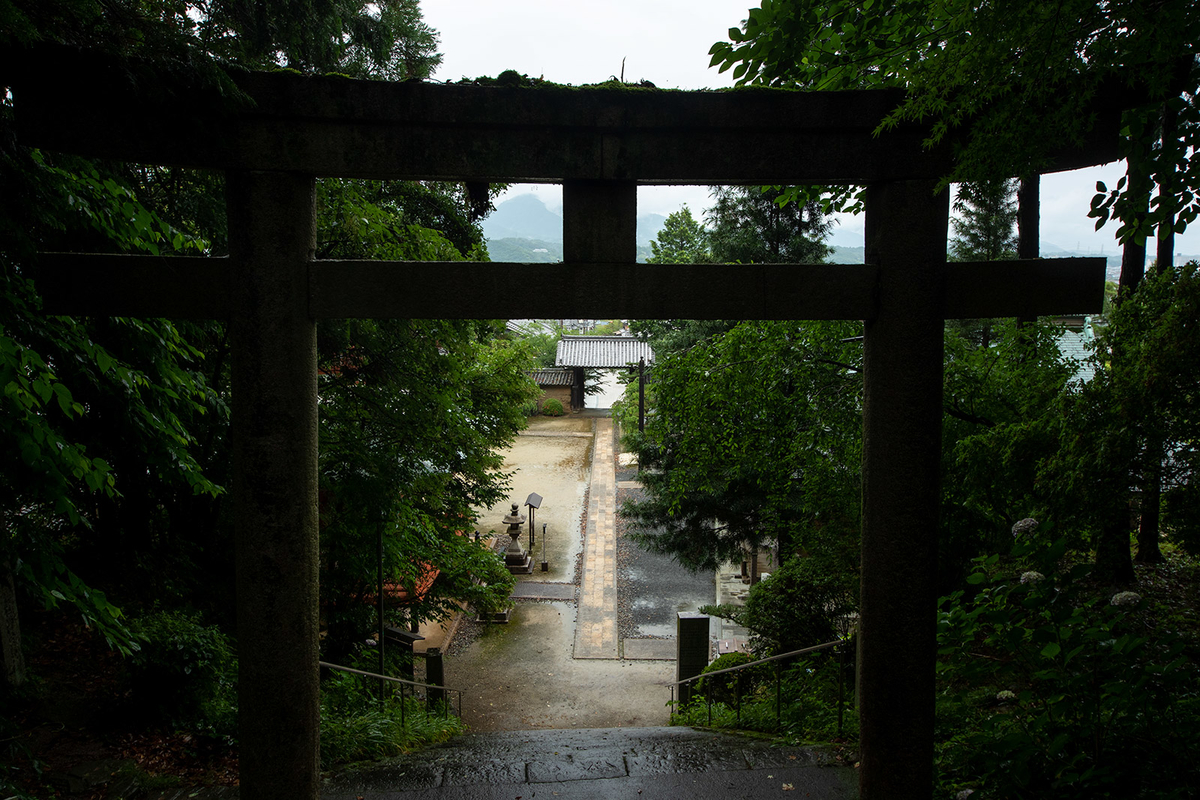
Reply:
x=610, y=763
x=658, y=763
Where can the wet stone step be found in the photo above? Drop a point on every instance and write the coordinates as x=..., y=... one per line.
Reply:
x=609, y=762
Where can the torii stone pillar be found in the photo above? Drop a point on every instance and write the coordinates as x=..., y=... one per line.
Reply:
x=902, y=421
x=272, y=237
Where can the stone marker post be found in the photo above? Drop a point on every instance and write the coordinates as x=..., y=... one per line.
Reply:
x=691, y=650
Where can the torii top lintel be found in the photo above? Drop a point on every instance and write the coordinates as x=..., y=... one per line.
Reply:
x=338, y=127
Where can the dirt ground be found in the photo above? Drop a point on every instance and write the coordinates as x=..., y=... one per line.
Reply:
x=522, y=676
x=552, y=458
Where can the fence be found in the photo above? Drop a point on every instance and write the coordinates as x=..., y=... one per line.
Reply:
x=777, y=660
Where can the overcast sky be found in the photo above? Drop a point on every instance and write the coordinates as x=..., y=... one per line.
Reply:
x=666, y=42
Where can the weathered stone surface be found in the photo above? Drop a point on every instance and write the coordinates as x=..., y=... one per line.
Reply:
x=197, y=288
x=535, y=590
x=484, y=770
x=652, y=649
x=902, y=419
x=337, y=127
x=573, y=768
x=272, y=234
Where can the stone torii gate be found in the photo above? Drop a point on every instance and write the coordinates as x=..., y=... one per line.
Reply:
x=600, y=144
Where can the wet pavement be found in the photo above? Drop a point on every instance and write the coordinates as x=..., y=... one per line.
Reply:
x=523, y=676
x=596, y=619
x=658, y=763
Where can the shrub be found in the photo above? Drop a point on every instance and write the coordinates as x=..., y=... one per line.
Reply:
x=797, y=607
x=725, y=688
x=1050, y=687
x=553, y=407
x=185, y=673
x=356, y=726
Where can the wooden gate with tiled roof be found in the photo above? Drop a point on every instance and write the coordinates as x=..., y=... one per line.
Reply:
x=580, y=353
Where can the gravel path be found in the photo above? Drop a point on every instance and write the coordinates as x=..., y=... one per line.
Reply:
x=651, y=588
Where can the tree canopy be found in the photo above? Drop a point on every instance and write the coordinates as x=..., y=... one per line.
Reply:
x=747, y=226
x=1010, y=82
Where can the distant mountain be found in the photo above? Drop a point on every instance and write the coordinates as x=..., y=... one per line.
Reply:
x=526, y=217
x=523, y=229
x=648, y=226
x=523, y=217
x=848, y=255
x=525, y=250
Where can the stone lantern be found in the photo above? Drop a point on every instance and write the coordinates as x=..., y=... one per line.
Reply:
x=515, y=558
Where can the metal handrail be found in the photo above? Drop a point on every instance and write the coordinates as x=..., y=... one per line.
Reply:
x=403, y=682
x=778, y=688
x=778, y=657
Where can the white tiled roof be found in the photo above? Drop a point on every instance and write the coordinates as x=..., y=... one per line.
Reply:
x=602, y=352
x=1075, y=345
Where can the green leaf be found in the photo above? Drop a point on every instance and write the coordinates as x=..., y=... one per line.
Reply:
x=1051, y=650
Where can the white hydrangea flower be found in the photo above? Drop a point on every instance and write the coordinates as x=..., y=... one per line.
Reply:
x=964, y=794
x=1032, y=577
x=1005, y=696
x=1024, y=527
x=1126, y=599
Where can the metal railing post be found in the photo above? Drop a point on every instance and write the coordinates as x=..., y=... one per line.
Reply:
x=841, y=668
x=737, y=696
x=778, y=696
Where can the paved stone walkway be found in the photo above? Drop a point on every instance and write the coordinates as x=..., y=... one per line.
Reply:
x=596, y=626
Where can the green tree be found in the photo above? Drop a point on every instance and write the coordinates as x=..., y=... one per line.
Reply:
x=985, y=229
x=72, y=474
x=747, y=226
x=753, y=442
x=682, y=240
x=123, y=424
x=1001, y=426
x=1140, y=406
x=383, y=40
x=414, y=414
